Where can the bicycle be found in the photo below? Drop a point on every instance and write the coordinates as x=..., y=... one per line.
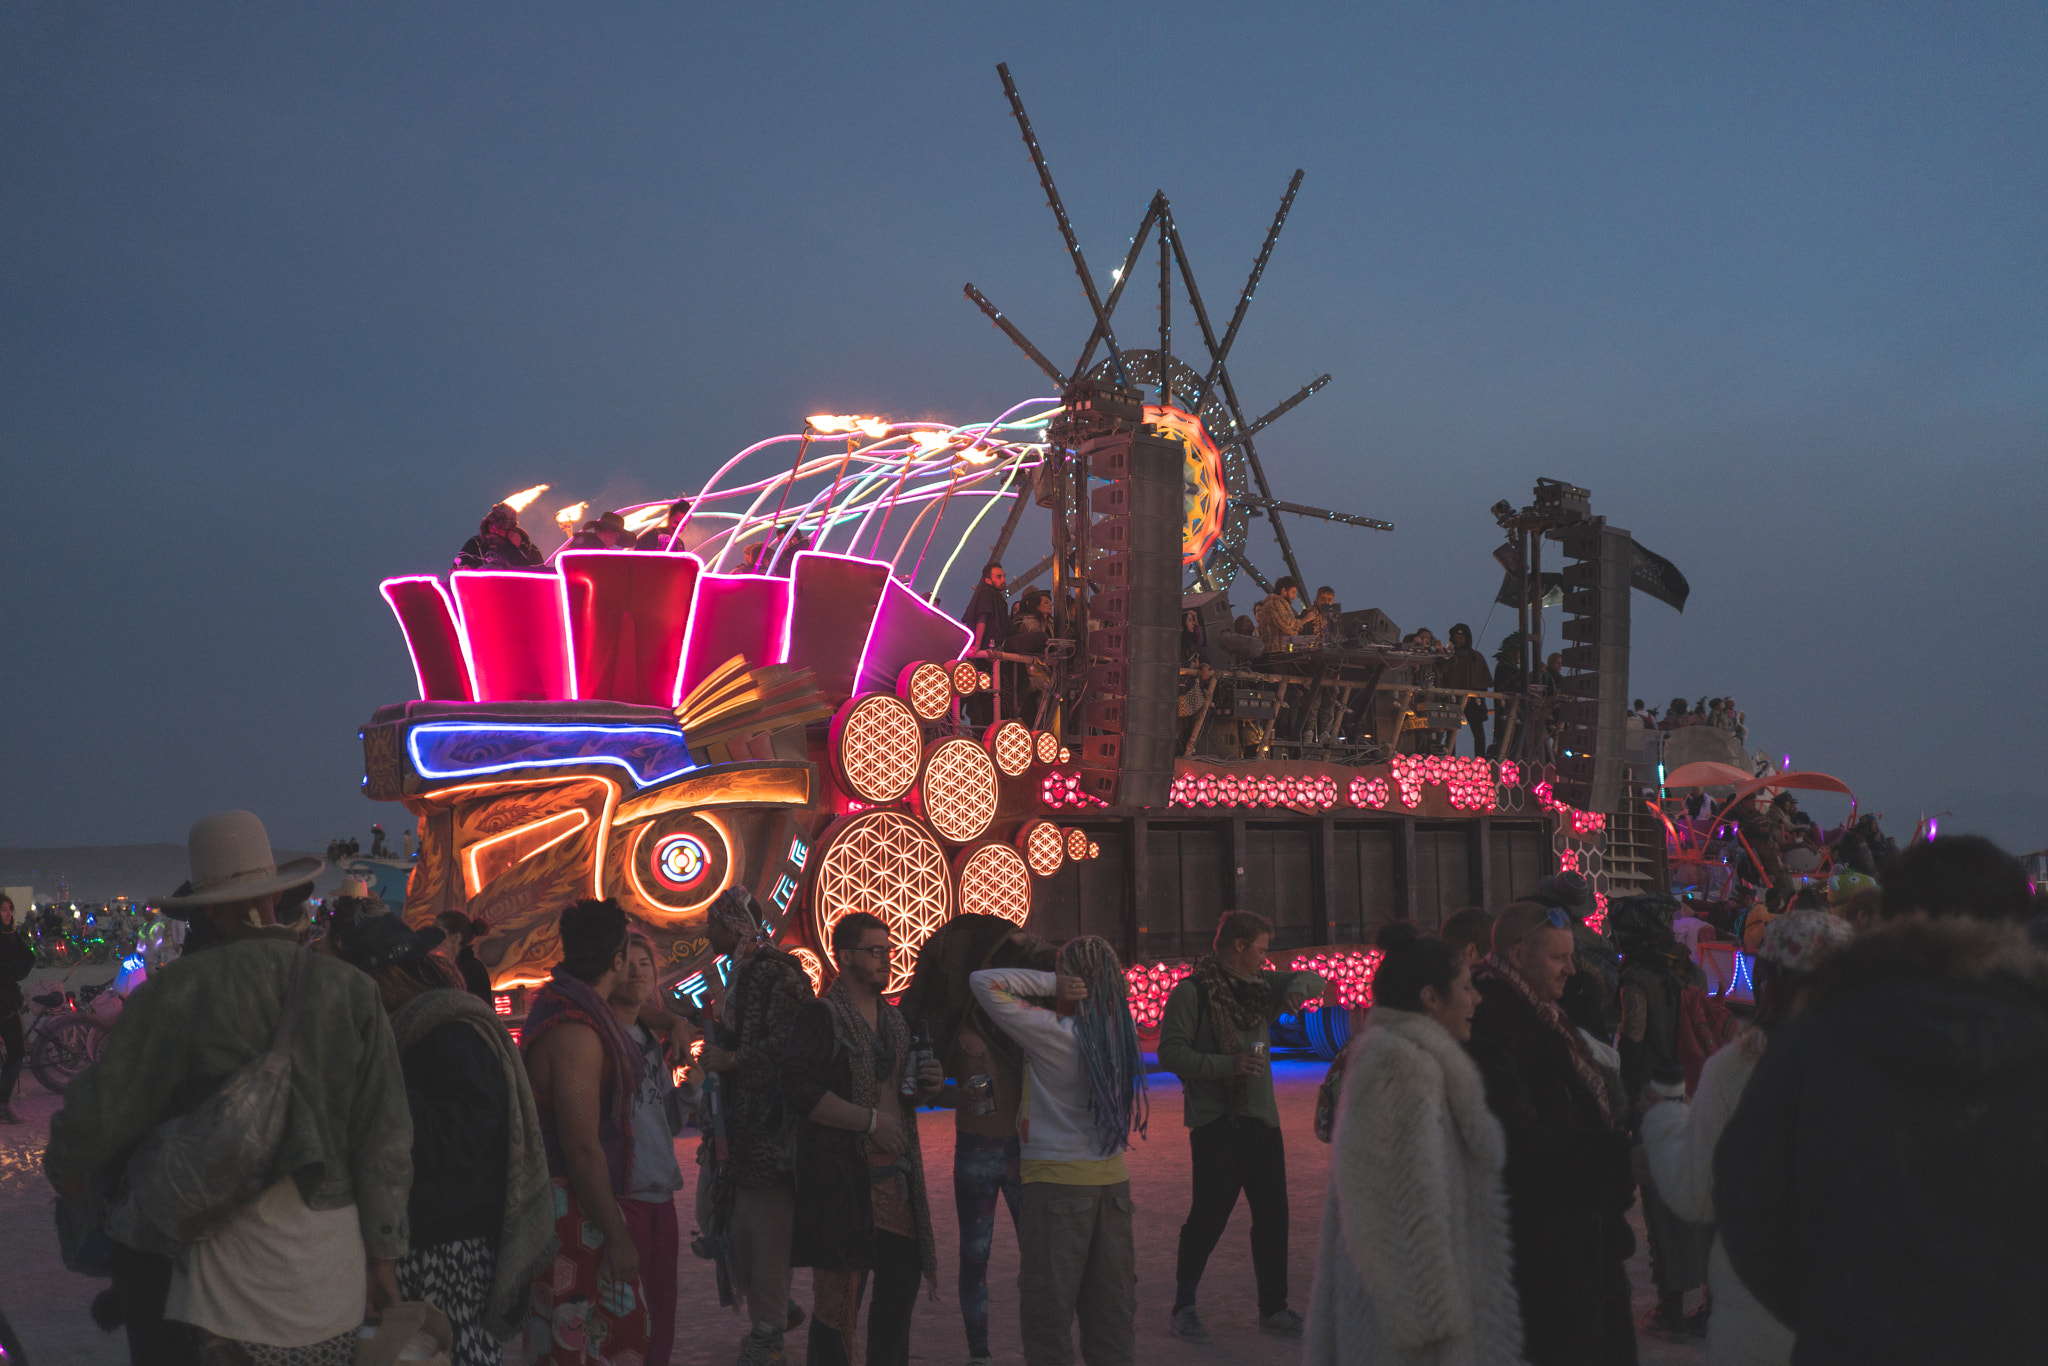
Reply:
x=65, y=1036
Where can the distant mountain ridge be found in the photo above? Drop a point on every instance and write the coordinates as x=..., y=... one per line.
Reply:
x=99, y=873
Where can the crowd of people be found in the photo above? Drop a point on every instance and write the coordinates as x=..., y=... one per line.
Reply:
x=502, y=543
x=1717, y=712
x=1522, y=1080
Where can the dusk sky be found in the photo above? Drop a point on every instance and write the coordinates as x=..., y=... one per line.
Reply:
x=289, y=295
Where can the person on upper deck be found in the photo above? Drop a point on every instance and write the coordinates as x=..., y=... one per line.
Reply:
x=1276, y=616
x=500, y=543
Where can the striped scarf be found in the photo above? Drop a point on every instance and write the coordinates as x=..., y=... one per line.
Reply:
x=1496, y=968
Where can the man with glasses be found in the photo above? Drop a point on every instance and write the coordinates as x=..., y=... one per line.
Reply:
x=861, y=1212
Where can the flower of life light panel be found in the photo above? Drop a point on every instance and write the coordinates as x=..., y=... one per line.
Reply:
x=1010, y=743
x=994, y=881
x=1044, y=846
x=1077, y=844
x=887, y=864
x=1046, y=746
x=814, y=968
x=966, y=678
x=928, y=690
x=959, y=789
x=880, y=745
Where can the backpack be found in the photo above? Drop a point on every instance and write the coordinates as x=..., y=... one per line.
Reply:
x=190, y=1175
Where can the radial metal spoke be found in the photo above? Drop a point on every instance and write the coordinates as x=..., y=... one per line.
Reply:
x=1244, y=300
x=996, y=316
x=1059, y=213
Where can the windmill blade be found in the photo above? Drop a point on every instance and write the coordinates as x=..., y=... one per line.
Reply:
x=1324, y=514
x=1123, y=277
x=1279, y=412
x=1244, y=300
x=1251, y=454
x=1059, y=213
x=996, y=316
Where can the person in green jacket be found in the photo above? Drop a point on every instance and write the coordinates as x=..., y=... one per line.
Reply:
x=294, y=1271
x=1213, y=1037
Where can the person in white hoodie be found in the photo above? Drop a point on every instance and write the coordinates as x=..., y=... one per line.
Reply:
x=1679, y=1136
x=1415, y=1260
x=1084, y=1092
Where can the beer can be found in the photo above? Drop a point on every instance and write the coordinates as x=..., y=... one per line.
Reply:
x=1259, y=1048
x=981, y=1095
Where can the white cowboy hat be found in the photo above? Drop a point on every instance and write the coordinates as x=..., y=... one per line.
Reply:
x=231, y=861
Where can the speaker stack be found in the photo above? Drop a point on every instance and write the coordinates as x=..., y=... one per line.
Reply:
x=1128, y=710
x=1592, y=764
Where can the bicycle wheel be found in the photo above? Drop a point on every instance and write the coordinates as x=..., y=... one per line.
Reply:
x=63, y=1048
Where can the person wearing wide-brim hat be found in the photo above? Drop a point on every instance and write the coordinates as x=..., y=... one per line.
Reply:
x=294, y=1270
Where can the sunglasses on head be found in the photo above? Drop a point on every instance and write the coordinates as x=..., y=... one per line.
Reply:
x=1557, y=919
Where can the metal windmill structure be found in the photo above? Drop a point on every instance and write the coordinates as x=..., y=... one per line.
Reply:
x=1207, y=394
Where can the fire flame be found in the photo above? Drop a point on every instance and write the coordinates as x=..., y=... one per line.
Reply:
x=874, y=428
x=572, y=514
x=927, y=442
x=518, y=501
x=646, y=517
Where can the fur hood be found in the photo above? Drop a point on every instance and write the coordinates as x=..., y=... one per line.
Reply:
x=1935, y=1002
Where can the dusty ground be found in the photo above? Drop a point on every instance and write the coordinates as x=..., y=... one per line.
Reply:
x=48, y=1304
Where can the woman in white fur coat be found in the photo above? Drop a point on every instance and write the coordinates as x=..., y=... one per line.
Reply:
x=1414, y=1265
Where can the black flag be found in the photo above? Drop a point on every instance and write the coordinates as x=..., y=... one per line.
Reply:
x=1653, y=574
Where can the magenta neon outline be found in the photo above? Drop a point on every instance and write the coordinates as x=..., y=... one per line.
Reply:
x=801, y=555
x=454, y=617
x=561, y=607
x=704, y=577
x=882, y=606
x=568, y=642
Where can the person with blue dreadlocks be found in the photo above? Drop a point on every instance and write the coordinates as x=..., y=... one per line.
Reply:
x=1084, y=1093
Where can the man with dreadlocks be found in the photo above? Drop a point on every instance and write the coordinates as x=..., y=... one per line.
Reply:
x=987, y=1161
x=1214, y=1021
x=753, y=1197
x=1084, y=1092
x=861, y=1212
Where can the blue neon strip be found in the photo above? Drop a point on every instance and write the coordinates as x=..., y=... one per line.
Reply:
x=465, y=749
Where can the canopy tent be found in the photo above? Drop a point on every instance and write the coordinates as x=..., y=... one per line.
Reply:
x=1813, y=782
x=1707, y=773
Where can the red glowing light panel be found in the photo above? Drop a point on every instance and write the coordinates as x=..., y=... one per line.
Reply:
x=1045, y=746
x=1009, y=743
x=877, y=745
x=427, y=618
x=1351, y=973
x=928, y=688
x=628, y=613
x=1150, y=984
x=832, y=605
x=735, y=614
x=518, y=641
x=959, y=792
x=994, y=881
x=1043, y=845
x=887, y=864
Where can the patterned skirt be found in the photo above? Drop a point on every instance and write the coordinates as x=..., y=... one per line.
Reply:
x=455, y=1277
x=213, y=1350
x=580, y=1315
